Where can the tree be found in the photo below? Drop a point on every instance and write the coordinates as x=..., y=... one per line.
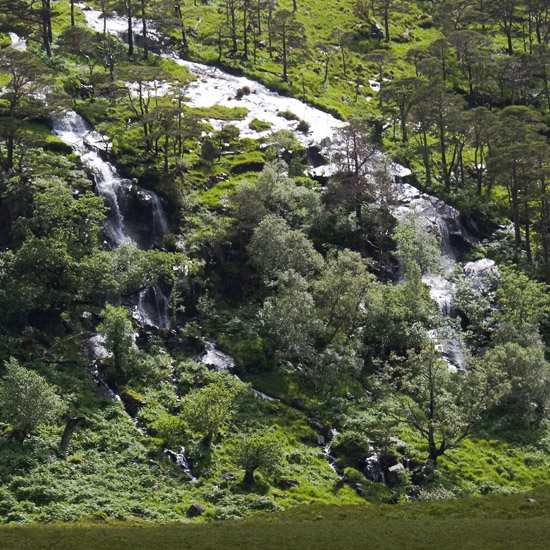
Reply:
x=28, y=77
x=403, y=92
x=444, y=407
x=528, y=375
x=525, y=302
x=481, y=127
x=274, y=192
x=454, y=15
x=504, y=13
x=513, y=162
x=208, y=410
x=354, y=151
x=170, y=14
x=416, y=244
x=84, y=43
x=384, y=7
x=275, y=248
x=110, y=51
x=288, y=322
x=27, y=399
x=342, y=294
x=118, y=331
x=258, y=451
x=291, y=34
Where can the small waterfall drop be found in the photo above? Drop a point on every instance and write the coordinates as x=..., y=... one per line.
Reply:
x=438, y=216
x=134, y=214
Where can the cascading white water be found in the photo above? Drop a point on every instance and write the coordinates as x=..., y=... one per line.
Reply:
x=216, y=87
x=442, y=218
x=76, y=132
x=17, y=43
x=120, y=196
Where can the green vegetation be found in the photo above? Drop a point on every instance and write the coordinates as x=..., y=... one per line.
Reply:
x=490, y=522
x=320, y=288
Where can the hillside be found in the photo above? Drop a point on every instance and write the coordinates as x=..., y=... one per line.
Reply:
x=258, y=255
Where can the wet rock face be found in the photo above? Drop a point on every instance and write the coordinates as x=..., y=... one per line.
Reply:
x=142, y=215
x=132, y=402
x=288, y=483
x=478, y=223
x=216, y=359
x=437, y=215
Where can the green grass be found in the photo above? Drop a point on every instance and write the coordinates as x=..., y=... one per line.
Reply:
x=488, y=523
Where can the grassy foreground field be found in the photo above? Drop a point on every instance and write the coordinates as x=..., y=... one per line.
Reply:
x=515, y=521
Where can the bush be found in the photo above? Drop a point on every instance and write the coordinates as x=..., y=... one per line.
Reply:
x=259, y=125
x=350, y=448
x=27, y=400
x=288, y=115
x=209, y=150
x=245, y=90
x=303, y=126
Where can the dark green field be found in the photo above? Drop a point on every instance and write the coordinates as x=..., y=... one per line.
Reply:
x=520, y=521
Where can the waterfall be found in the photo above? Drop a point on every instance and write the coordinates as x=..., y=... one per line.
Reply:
x=134, y=214
x=442, y=218
x=213, y=86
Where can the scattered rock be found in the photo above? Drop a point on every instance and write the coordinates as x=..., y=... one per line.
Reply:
x=316, y=425
x=298, y=403
x=288, y=483
x=398, y=442
x=429, y=465
x=393, y=473
x=195, y=510
x=132, y=401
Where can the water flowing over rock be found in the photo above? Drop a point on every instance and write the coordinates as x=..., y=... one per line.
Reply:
x=95, y=352
x=179, y=458
x=213, y=86
x=17, y=43
x=135, y=214
x=482, y=274
x=446, y=221
x=216, y=359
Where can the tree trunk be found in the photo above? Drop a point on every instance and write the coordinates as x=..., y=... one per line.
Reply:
x=9, y=152
x=70, y=427
x=343, y=58
x=130, y=29
x=249, y=477
x=144, y=27
x=516, y=220
x=233, y=27
x=404, y=135
x=245, y=30
x=179, y=15
x=443, y=148
x=104, y=17
x=426, y=159
x=285, y=75
x=527, y=233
